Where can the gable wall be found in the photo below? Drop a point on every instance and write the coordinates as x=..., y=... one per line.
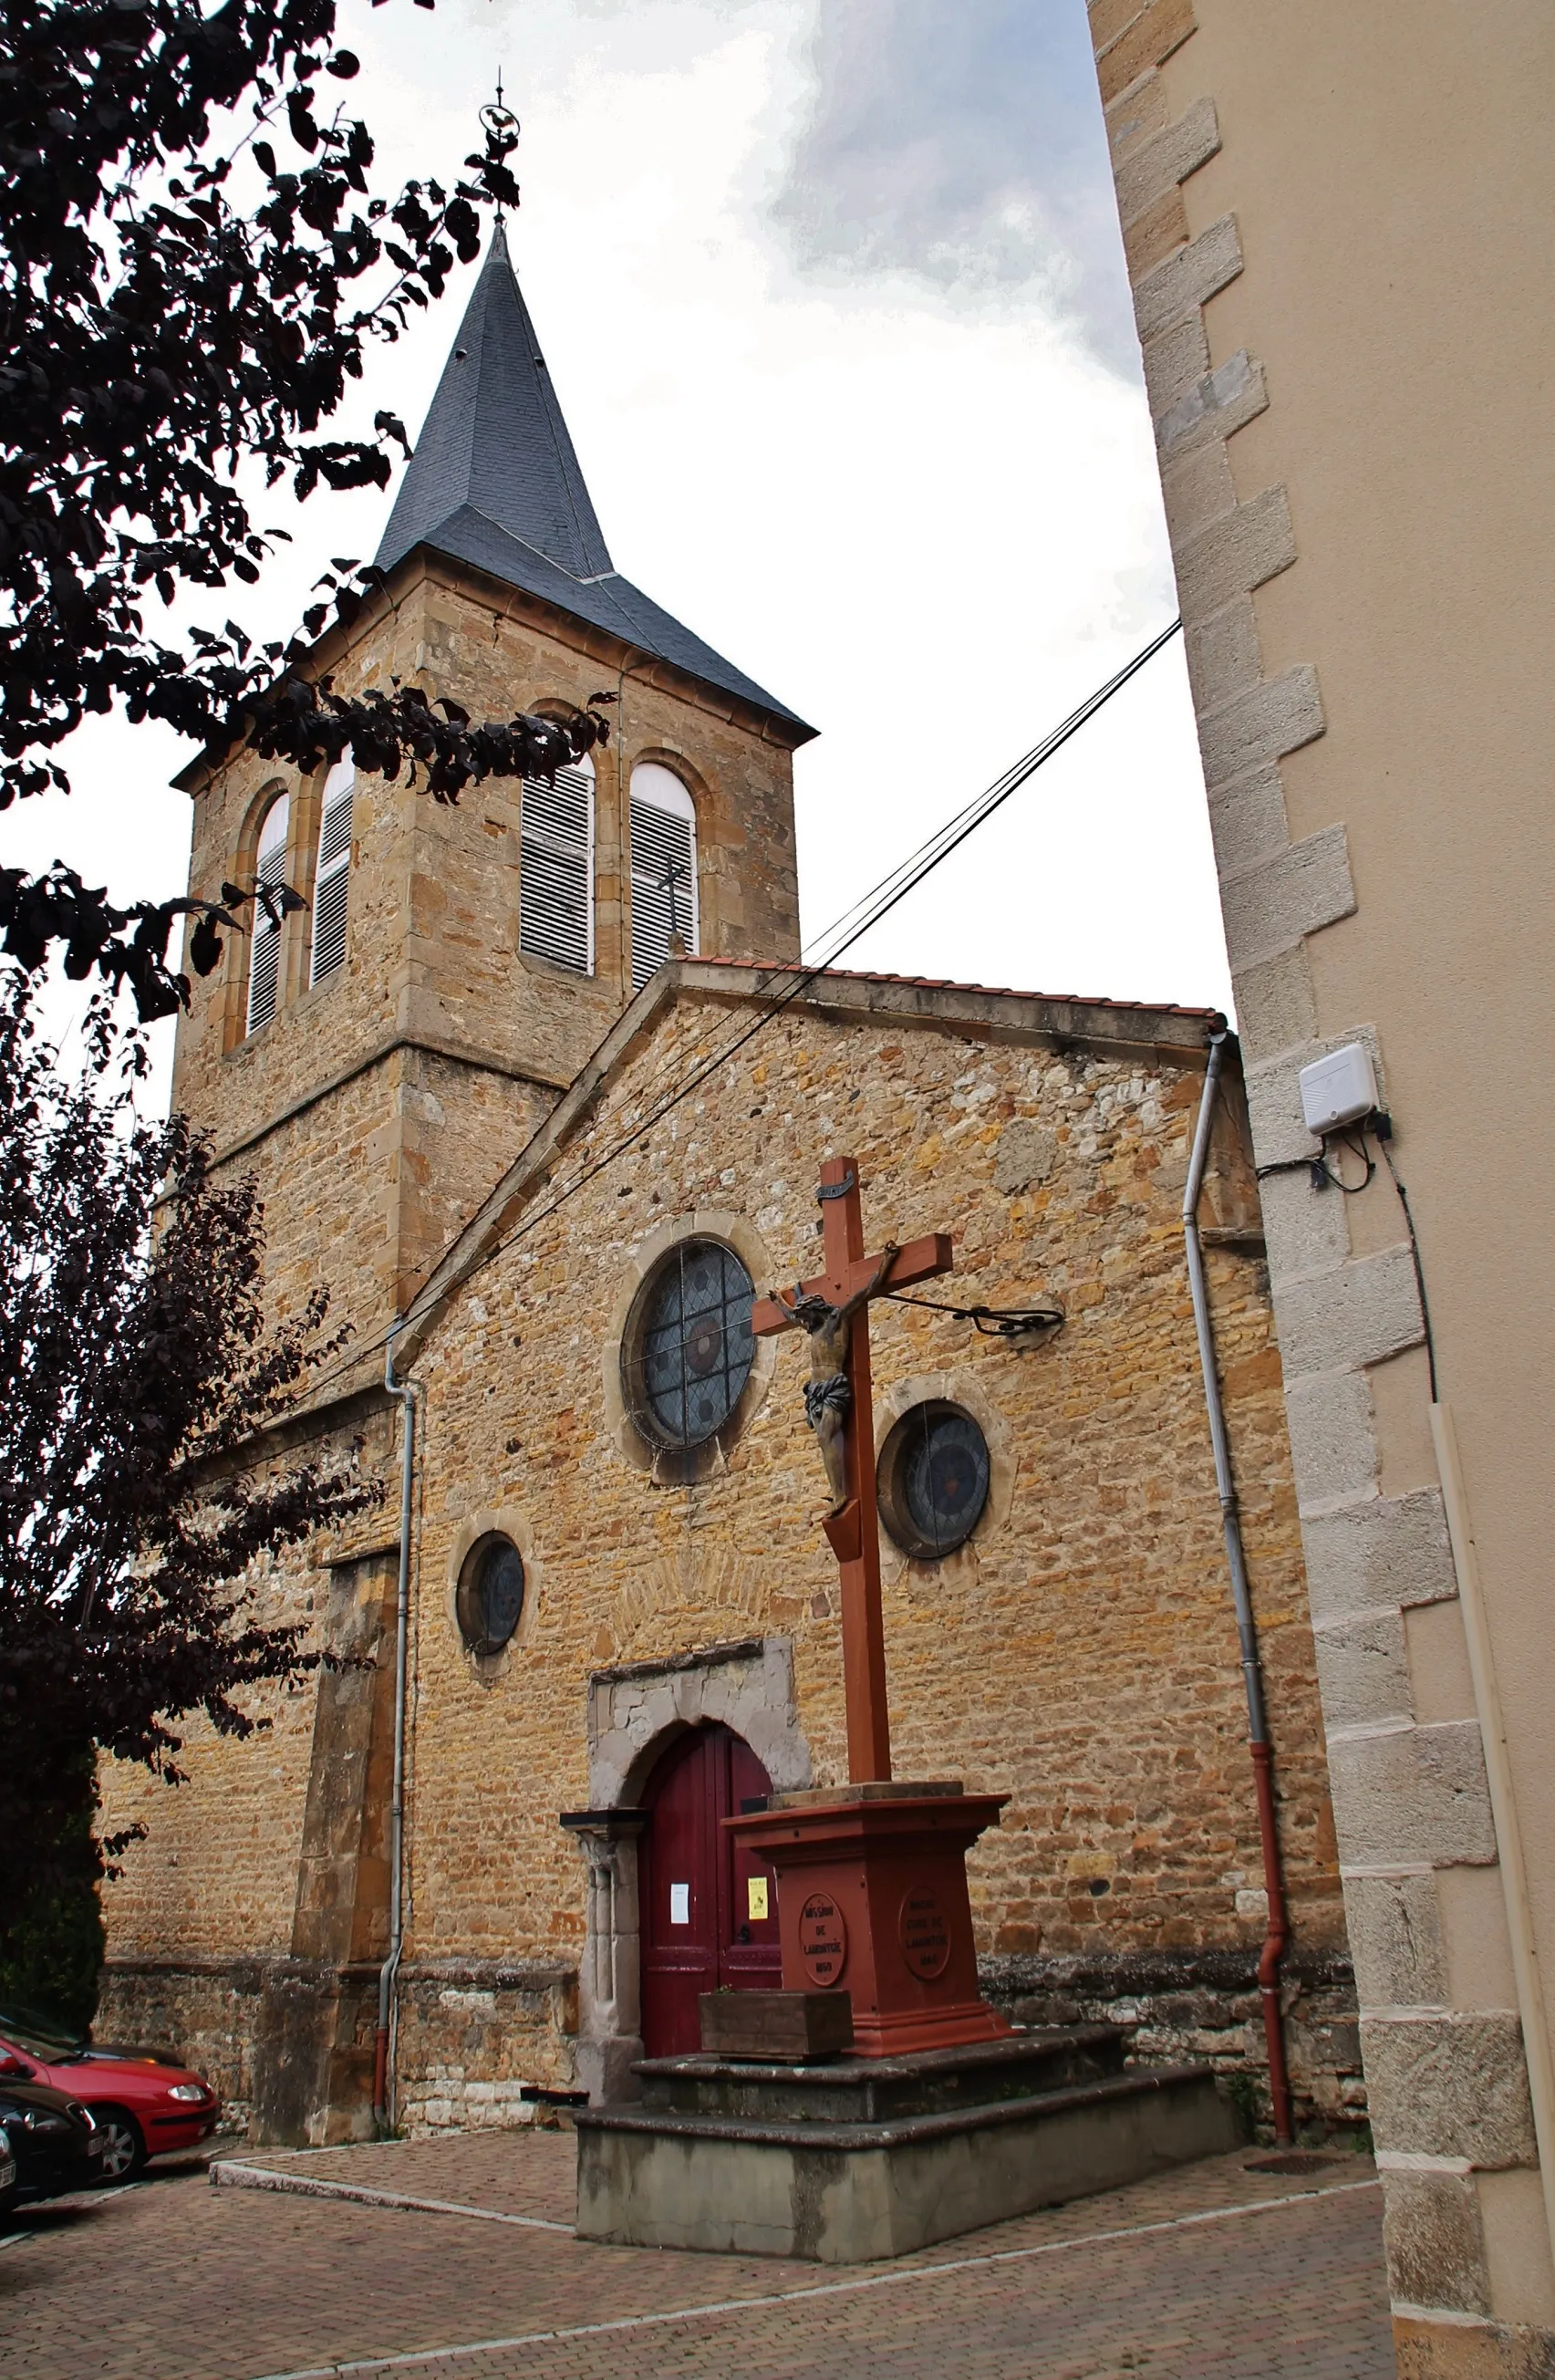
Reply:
x=1079, y=1654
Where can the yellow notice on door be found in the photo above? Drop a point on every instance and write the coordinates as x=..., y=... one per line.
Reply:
x=756, y=1896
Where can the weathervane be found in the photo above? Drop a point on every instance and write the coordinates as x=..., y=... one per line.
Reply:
x=501, y=124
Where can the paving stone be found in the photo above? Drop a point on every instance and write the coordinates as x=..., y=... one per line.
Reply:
x=1214, y=2272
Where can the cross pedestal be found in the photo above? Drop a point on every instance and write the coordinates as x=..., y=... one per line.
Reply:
x=871, y=1875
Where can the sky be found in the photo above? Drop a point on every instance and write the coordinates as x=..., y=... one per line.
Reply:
x=832, y=295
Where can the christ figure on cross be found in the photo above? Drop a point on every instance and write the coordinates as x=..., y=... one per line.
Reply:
x=834, y=1310
x=829, y=1391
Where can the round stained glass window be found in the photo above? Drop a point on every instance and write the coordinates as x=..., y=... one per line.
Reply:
x=490, y=1596
x=934, y=1480
x=692, y=1350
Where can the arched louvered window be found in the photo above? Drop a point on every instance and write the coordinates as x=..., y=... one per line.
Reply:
x=663, y=868
x=556, y=868
x=331, y=878
x=264, y=942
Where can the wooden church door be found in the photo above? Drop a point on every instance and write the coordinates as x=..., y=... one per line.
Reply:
x=708, y=1911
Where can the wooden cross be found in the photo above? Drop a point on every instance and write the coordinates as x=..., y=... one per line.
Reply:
x=854, y=1531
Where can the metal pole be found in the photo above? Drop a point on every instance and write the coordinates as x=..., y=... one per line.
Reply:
x=383, y=2077
x=1258, y=1745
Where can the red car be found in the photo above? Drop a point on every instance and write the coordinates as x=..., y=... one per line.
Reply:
x=142, y=2105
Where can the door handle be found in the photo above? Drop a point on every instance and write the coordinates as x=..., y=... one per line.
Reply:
x=743, y=1934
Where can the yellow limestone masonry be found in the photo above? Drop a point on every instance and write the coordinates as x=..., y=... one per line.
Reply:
x=1079, y=1653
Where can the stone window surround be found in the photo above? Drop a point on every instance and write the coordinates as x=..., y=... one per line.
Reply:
x=635, y=1712
x=305, y=795
x=488, y=1669
x=243, y=868
x=962, y=1388
x=675, y=1467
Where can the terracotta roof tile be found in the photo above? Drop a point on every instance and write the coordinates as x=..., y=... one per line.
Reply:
x=948, y=983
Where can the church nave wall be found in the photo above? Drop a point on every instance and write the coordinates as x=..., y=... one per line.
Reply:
x=1079, y=1653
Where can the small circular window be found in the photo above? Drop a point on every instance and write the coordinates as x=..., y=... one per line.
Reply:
x=690, y=1347
x=489, y=1596
x=934, y=1480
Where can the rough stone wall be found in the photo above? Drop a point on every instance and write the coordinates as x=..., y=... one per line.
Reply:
x=1203, y=2008
x=376, y=1107
x=1442, y=2041
x=1079, y=1653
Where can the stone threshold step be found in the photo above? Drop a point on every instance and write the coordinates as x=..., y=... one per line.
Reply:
x=882, y=2090
x=823, y=2134
x=969, y=2057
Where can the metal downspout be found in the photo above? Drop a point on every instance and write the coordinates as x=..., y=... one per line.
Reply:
x=382, y=2078
x=1252, y=1669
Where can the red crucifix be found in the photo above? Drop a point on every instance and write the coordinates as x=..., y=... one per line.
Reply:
x=854, y=1531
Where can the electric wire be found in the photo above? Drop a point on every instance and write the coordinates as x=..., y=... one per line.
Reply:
x=837, y=939
x=1382, y=1140
x=1378, y=1127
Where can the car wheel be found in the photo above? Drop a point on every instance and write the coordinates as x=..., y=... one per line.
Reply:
x=124, y=2144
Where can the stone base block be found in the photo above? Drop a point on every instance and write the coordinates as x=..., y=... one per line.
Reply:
x=796, y=2026
x=849, y=2194
x=1456, y=2347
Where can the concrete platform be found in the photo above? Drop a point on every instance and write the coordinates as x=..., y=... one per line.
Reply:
x=851, y=2160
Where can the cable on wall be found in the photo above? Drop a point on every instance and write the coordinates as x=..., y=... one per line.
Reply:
x=837, y=939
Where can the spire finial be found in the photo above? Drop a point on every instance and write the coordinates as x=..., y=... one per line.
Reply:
x=501, y=124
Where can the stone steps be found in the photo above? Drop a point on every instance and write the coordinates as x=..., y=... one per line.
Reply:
x=855, y=2159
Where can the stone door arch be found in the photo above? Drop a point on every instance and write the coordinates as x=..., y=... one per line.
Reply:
x=635, y=1712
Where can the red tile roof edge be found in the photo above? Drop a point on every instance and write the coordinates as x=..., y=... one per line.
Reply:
x=947, y=983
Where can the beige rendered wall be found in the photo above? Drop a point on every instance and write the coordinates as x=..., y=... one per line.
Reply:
x=1339, y=220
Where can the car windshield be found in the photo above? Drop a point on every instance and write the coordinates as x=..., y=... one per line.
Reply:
x=50, y=2053
x=44, y=2035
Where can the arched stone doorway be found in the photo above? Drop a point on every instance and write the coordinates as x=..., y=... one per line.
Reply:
x=638, y=1713
x=708, y=1910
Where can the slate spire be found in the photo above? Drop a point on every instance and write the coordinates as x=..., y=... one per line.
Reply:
x=495, y=440
x=494, y=482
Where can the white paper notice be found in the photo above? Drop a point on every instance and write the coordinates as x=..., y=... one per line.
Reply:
x=680, y=1904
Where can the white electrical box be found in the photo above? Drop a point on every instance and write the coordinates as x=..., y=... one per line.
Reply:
x=1338, y=1089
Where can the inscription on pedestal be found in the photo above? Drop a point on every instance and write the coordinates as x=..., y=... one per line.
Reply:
x=923, y=1930
x=823, y=1939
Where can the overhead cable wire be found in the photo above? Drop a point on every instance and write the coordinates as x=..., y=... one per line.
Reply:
x=796, y=975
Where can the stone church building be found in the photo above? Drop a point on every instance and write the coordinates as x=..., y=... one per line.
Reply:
x=535, y=1086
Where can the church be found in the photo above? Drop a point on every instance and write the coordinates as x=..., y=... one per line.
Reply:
x=535, y=1084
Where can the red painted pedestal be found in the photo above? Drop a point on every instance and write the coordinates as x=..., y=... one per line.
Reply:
x=871, y=1889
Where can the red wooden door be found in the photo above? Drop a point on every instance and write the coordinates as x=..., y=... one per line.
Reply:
x=701, y=1901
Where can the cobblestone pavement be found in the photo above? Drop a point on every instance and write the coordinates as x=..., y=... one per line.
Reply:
x=1219, y=2271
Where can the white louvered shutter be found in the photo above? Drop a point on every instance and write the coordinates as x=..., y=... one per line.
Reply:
x=265, y=940
x=556, y=868
x=663, y=827
x=332, y=879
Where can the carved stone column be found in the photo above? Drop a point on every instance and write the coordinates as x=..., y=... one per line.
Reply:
x=610, y=1979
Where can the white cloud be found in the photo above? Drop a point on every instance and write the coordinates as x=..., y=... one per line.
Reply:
x=966, y=146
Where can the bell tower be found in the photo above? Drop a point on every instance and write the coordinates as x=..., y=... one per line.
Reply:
x=378, y=1059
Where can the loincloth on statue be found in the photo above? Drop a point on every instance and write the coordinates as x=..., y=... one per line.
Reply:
x=834, y=1395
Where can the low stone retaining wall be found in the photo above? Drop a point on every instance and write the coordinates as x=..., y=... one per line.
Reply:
x=1203, y=2007
x=289, y=2042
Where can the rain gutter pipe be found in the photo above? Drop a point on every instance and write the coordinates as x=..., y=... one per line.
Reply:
x=382, y=2083
x=1252, y=1667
